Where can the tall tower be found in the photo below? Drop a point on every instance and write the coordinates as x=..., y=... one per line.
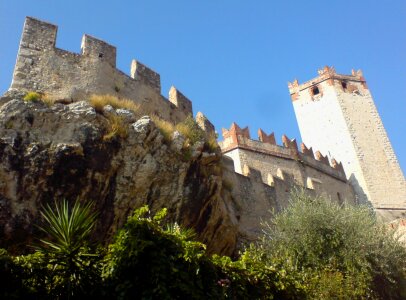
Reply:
x=337, y=116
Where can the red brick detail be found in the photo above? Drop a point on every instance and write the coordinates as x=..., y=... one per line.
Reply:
x=265, y=138
x=337, y=165
x=294, y=96
x=234, y=132
x=291, y=144
x=307, y=151
x=293, y=84
x=320, y=157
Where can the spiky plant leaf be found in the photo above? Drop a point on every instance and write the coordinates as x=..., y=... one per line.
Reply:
x=67, y=229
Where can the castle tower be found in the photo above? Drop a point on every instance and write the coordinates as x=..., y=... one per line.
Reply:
x=337, y=116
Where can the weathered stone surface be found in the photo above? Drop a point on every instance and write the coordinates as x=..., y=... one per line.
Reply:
x=50, y=153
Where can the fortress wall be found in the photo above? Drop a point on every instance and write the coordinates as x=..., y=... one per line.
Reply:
x=256, y=201
x=253, y=200
x=65, y=75
x=296, y=173
x=286, y=164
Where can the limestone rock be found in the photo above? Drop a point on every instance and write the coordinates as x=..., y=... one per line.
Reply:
x=58, y=152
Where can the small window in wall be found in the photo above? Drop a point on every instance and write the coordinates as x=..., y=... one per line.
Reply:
x=340, y=200
x=315, y=91
x=344, y=85
x=100, y=55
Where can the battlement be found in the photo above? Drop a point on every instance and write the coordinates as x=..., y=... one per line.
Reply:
x=180, y=100
x=239, y=138
x=346, y=83
x=68, y=76
x=144, y=74
x=98, y=49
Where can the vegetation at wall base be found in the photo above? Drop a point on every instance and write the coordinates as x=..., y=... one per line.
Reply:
x=314, y=249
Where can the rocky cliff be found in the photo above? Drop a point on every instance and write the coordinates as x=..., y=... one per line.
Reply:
x=60, y=151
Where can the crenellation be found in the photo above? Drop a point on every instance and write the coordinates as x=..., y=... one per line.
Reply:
x=69, y=77
x=180, y=101
x=278, y=164
x=205, y=124
x=98, y=49
x=291, y=144
x=320, y=157
x=328, y=77
x=306, y=151
x=337, y=165
x=38, y=35
x=266, y=138
x=141, y=72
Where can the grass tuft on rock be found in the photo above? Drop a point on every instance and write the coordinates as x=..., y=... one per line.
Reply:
x=100, y=101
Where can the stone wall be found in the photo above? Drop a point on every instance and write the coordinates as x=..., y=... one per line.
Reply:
x=341, y=120
x=285, y=167
x=70, y=76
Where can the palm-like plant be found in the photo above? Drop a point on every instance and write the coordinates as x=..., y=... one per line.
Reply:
x=66, y=249
x=67, y=228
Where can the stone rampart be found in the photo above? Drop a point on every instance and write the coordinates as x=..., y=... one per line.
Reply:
x=68, y=76
x=285, y=163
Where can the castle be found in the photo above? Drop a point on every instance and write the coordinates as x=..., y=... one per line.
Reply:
x=355, y=164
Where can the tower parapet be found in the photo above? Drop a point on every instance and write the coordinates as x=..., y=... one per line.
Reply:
x=354, y=83
x=68, y=76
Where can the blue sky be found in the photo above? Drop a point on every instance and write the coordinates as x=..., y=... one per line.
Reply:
x=233, y=59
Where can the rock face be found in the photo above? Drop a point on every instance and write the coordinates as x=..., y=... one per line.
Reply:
x=56, y=152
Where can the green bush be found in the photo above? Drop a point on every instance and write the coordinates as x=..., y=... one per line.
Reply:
x=11, y=278
x=148, y=261
x=190, y=130
x=338, y=252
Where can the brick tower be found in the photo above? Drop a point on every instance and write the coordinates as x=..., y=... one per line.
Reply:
x=337, y=116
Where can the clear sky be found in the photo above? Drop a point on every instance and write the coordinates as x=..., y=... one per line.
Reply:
x=233, y=58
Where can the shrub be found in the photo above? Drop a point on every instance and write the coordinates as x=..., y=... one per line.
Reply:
x=149, y=261
x=32, y=97
x=190, y=130
x=211, y=143
x=35, y=97
x=116, y=127
x=11, y=277
x=336, y=250
x=100, y=101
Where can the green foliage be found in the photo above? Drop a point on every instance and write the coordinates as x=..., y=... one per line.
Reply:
x=338, y=252
x=190, y=130
x=67, y=228
x=149, y=261
x=251, y=277
x=32, y=96
x=70, y=267
x=11, y=286
x=314, y=249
